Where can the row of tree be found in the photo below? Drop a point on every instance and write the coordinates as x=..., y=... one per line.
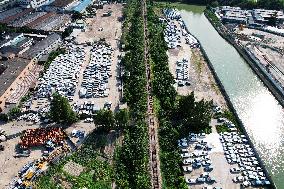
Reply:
x=247, y=4
x=132, y=159
x=178, y=115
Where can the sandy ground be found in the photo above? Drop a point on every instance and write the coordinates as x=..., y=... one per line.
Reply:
x=202, y=82
x=271, y=39
x=111, y=33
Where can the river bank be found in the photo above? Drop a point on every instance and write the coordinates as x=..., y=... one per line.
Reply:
x=259, y=111
x=227, y=98
x=223, y=178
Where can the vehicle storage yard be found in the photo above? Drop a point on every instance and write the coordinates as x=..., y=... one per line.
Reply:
x=187, y=61
x=223, y=160
x=98, y=28
x=68, y=74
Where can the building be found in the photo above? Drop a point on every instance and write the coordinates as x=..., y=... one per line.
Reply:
x=10, y=39
x=262, y=16
x=45, y=46
x=62, y=6
x=33, y=3
x=14, y=71
x=5, y=4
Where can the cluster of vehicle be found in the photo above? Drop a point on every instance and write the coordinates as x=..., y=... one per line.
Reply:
x=182, y=75
x=238, y=151
x=97, y=74
x=28, y=174
x=189, y=39
x=62, y=74
x=173, y=32
x=31, y=117
x=172, y=36
x=199, y=158
x=88, y=108
x=229, y=124
x=172, y=14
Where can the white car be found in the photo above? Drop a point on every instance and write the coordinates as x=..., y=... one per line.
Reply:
x=191, y=181
x=235, y=170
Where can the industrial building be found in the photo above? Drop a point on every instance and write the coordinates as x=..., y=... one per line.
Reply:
x=33, y=3
x=43, y=47
x=255, y=17
x=4, y=4
x=18, y=64
x=14, y=71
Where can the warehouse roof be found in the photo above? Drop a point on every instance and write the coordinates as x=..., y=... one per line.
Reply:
x=61, y=3
x=40, y=46
x=14, y=68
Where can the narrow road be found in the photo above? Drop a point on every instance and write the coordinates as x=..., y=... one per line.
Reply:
x=156, y=179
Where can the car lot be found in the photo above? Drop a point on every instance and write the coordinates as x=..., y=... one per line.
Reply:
x=98, y=29
x=62, y=73
x=96, y=76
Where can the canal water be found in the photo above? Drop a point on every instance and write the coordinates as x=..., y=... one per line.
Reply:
x=262, y=115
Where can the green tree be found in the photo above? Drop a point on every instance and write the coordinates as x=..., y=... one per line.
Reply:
x=105, y=119
x=214, y=4
x=61, y=111
x=122, y=119
x=76, y=15
x=3, y=117
x=14, y=112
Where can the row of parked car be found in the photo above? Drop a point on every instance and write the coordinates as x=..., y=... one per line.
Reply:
x=238, y=151
x=195, y=156
x=63, y=73
x=182, y=75
x=95, y=82
x=173, y=32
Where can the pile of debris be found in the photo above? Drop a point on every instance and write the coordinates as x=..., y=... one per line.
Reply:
x=42, y=136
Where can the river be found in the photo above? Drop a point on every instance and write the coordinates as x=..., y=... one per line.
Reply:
x=262, y=115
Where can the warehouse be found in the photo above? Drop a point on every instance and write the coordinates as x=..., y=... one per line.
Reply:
x=16, y=69
x=44, y=46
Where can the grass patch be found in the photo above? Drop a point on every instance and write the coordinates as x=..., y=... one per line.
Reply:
x=183, y=6
x=222, y=128
x=97, y=174
x=195, y=58
x=214, y=87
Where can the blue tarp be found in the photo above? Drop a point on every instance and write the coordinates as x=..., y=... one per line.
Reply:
x=83, y=5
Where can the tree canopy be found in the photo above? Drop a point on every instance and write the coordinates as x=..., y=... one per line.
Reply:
x=61, y=111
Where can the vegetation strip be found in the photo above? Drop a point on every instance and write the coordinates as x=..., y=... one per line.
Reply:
x=178, y=115
x=132, y=159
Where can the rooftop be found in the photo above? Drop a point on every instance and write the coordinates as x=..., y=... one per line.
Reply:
x=14, y=68
x=4, y=38
x=61, y=3
x=40, y=46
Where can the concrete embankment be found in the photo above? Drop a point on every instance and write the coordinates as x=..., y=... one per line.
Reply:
x=228, y=100
x=230, y=105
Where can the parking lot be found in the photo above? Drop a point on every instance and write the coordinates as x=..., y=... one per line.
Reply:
x=108, y=61
x=189, y=68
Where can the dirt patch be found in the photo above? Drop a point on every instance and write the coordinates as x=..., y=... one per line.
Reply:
x=73, y=168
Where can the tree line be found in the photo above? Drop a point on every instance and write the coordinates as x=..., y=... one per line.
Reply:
x=178, y=115
x=246, y=4
x=132, y=158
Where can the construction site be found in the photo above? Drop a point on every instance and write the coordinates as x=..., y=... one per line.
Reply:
x=266, y=48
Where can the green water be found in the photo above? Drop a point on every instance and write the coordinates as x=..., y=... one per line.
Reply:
x=260, y=112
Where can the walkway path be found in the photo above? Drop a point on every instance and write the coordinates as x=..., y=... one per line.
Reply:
x=156, y=179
